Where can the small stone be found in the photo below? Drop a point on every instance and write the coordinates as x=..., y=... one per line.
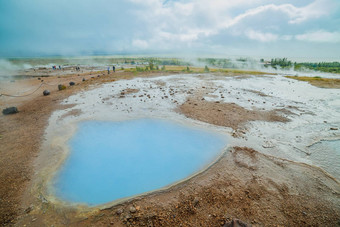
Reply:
x=72, y=83
x=268, y=144
x=196, y=201
x=127, y=216
x=236, y=222
x=132, y=209
x=10, y=110
x=333, y=128
x=119, y=211
x=46, y=92
x=29, y=209
x=83, y=79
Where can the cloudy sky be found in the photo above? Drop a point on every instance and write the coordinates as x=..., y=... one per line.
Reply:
x=276, y=28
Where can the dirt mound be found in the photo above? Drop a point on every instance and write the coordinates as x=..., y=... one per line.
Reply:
x=227, y=114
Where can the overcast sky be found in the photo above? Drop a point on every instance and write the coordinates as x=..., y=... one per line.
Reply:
x=291, y=28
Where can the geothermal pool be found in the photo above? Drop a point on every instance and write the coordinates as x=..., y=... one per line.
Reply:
x=326, y=154
x=114, y=160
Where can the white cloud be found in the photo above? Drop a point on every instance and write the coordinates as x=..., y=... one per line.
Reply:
x=262, y=37
x=320, y=36
x=191, y=21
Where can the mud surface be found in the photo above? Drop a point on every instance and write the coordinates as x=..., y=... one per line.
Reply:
x=227, y=114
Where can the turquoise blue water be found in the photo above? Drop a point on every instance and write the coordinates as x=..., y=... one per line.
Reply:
x=113, y=160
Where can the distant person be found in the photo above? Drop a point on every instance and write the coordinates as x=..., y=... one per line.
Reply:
x=113, y=68
x=59, y=67
x=108, y=70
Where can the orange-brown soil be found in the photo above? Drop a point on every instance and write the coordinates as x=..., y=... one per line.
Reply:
x=227, y=114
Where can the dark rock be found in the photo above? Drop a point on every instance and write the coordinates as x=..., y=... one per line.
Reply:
x=39, y=78
x=46, y=92
x=10, y=110
x=29, y=209
x=72, y=83
x=196, y=202
x=333, y=128
x=83, y=79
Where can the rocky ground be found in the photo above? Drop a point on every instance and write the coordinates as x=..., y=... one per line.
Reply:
x=255, y=187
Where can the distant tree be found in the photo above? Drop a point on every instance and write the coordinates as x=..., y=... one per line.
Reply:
x=151, y=65
x=206, y=69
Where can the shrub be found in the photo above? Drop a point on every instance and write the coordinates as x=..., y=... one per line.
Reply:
x=61, y=87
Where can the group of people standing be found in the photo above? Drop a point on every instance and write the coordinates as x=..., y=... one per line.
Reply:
x=113, y=69
x=55, y=67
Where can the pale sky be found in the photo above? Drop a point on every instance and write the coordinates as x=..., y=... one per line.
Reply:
x=277, y=28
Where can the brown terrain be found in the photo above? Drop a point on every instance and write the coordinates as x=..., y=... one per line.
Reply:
x=227, y=114
x=244, y=184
